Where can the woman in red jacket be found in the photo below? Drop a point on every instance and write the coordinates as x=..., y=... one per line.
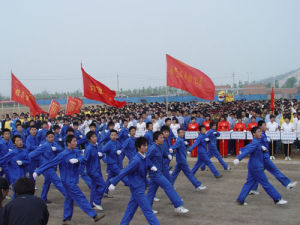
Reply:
x=223, y=125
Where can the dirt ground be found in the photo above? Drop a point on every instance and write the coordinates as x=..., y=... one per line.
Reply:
x=214, y=206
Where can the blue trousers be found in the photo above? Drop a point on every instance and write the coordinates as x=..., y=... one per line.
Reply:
x=270, y=166
x=50, y=176
x=215, y=153
x=84, y=176
x=138, y=198
x=31, y=168
x=159, y=180
x=114, y=170
x=187, y=172
x=74, y=194
x=166, y=173
x=261, y=178
x=98, y=188
x=204, y=158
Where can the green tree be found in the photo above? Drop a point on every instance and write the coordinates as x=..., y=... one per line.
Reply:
x=290, y=83
x=276, y=84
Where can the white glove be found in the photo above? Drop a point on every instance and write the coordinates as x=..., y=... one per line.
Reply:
x=35, y=175
x=73, y=161
x=186, y=143
x=269, y=139
x=0, y=169
x=53, y=148
x=215, y=133
x=264, y=148
x=171, y=150
x=106, y=131
x=111, y=188
x=188, y=152
x=10, y=150
x=80, y=136
x=245, y=131
x=231, y=130
x=119, y=152
x=206, y=139
x=170, y=157
x=19, y=162
x=236, y=162
x=100, y=154
x=153, y=168
x=128, y=135
x=60, y=139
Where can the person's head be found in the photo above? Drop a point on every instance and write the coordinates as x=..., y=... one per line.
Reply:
x=181, y=132
x=44, y=125
x=125, y=123
x=132, y=131
x=168, y=122
x=262, y=125
x=272, y=118
x=202, y=129
x=165, y=131
x=149, y=126
x=256, y=132
x=24, y=186
x=6, y=134
x=287, y=119
x=75, y=125
x=66, y=122
x=158, y=138
x=141, y=145
x=110, y=125
x=70, y=131
x=93, y=127
x=19, y=128
x=253, y=118
x=32, y=131
x=17, y=141
x=213, y=125
x=4, y=188
x=174, y=120
x=113, y=135
x=239, y=119
x=56, y=129
x=50, y=136
x=92, y=137
x=71, y=142
x=193, y=119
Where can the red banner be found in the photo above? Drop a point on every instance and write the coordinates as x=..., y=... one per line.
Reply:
x=54, y=109
x=192, y=80
x=95, y=90
x=71, y=106
x=20, y=94
x=272, y=106
x=79, y=105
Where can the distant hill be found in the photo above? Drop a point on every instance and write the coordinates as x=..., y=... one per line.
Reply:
x=282, y=78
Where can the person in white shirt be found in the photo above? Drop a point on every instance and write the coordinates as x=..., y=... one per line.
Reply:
x=298, y=132
x=287, y=126
x=86, y=124
x=273, y=126
x=117, y=126
x=156, y=126
x=175, y=126
x=140, y=127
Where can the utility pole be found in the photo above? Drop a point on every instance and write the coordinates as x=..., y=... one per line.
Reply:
x=118, y=89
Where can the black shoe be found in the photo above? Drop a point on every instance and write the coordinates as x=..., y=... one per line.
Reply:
x=219, y=176
x=48, y=202
x=98, y=217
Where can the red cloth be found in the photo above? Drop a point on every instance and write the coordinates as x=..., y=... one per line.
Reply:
x=71, y=106
x=192, y=80
x=239, y=143
x=272, y=106
x=54, y=109
x=206, y=123
x=223, y=144
x=193, y=127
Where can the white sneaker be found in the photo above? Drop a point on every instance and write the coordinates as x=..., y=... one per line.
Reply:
x=281, y=202
x=35, y=188
x=8, y=197
x=154, y=211
x=289, y=158
x=291, y=185
x=107, y=195
x=272, y=157
x=156, y=199
x=201, y=188
x=95, y=206
x=286, y=158
x=245, y=204
x=228, y=168
x=253, y=192
x=181, y=210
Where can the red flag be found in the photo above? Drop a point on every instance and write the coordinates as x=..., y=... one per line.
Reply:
x=272, y=106
x=71, y=106
x=78, y=106
x=95, y=90
x=54, y=109
x=20, y=94
x=192, y=80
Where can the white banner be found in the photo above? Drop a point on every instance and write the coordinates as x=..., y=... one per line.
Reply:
x=249, y=135
x=140, y=133
x=191, y=135
x=238, y=135
x=274, y=135
x=224, y=135
x=288, y=136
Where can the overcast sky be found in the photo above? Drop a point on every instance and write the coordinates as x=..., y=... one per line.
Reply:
x=43, y=42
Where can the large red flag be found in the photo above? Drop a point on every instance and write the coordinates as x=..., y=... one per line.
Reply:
x=95, y=90
x=54, y=109
x=71, y=106
x=272, y=106
x=20, y=94
x=78, y=106
x=192, y=80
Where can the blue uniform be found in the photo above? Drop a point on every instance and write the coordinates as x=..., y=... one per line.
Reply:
x=187, y=120
x=69, y=174
x=22, y=134
x=63, y=130
x=44, y=154
x=157, y=179
x=93, y=168
x=149, y=136
x=256, y=171
x=270, y=166
x=181, y=163
x=213, y=149
x=41, y=135
x=165, y=147
x=5, y=147
x=31, y=145
x=136, y=172
x=128, y=147
x=123, y=135
x=203, y=155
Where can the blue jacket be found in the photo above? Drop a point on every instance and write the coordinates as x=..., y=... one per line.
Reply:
x=69, y=173
x=181, y=150
x=59, y=139
x=256, y=158
x=200, y=142
x=105, y=137
x=128, y=147
x=41, y=135
x=149, y=136
x=156, y=155
x=15, y=171
x=91, y=159
x=187, y=120
x=212, y=145
x=264, y=142
x=45, y=153
x=136, y=172
x=110, y=149
x=5, y=146
x=63, y=130
x=31, y=143
x=123, y=135
x=22, y=134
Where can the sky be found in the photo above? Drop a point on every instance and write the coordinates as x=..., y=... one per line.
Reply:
x=44, y=42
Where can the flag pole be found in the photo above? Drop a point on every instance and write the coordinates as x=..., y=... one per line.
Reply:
x=167, y=96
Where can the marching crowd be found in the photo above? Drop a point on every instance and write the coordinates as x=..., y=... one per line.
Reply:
x=149, y=136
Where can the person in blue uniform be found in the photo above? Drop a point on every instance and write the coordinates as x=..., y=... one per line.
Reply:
x=149, y=133
x=157, y=179
x=124, y=132
x=92, y=156
x=57, y=136
x=269, y=165
x=256, y=167
x=128, y=146
x=69, y=161
x=41, y=134
x=46, y=152
x=166, y=150
x=6, y=146
x=181, y=163
x=136, y=171
x=20, y=131
x=63, y=131
x=203, y=157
